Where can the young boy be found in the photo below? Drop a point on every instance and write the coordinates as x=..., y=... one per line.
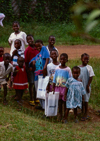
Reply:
x=5, y=69
x=51, y=45
x=51, y=68
x=30, y=52
x=40, y=62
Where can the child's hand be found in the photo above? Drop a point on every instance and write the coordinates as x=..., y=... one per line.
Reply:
x=34, y=63
x=44, y=72
x=15, y=52
x=30, y=69
x=87, y=88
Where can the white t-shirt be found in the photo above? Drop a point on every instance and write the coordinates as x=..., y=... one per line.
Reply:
x=21, y=36
x=51, y=71
x=90, y=70
x=3, y=72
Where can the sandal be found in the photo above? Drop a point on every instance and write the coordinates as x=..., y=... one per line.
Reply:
x=37, y=101
x=32, y=103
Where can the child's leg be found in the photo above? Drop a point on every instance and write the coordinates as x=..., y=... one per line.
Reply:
x=31, y=91
x=60, y=108
x=75, y=112
x=66, y=114
x=86, y=109
x=5, y=93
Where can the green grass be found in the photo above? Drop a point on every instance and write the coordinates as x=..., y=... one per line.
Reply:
x=42, y=31
x=23, y=124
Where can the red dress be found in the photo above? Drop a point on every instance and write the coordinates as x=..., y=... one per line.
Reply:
x=20, y=80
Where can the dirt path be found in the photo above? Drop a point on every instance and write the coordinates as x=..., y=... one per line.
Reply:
x=75, y=51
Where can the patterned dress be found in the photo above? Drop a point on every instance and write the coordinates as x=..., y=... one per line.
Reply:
x=75, y=92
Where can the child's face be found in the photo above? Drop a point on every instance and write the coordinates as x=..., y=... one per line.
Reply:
x=1, y=51
x=17, y=44
x=16, y=27
x=54, y=55
x=75, y=73
x=52, y=41
x=21, y=62
x=63, y=60
x=85, y=60
x=30, y=40
x=38, y=46
x=7, y=59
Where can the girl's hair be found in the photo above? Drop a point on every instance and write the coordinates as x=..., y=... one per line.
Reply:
x=16, y=22
x=65, y=55
x=76, y=68
x=39, y=41
x=53, y=50
x=84, y=54
x=29, y=35
x=51, y=36
x=18, y=41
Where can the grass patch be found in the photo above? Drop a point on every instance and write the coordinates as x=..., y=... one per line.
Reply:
x=23, y=124
x=42, y=31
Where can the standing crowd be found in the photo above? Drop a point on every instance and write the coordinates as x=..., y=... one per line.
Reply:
x=23, y=66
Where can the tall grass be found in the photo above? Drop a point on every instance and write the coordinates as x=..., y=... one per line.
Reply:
x=42, y=31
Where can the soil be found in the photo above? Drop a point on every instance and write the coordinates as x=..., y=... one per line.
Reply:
x=75, y=51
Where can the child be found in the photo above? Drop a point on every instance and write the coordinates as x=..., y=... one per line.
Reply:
x=30, y=53
x=5, y=69
x=17, y=35
x=17, y=52
x=1, y=53
x=51, y=68
x=86, y=76
x=74, y=91
x=61, y=75
x=20, y=79
x=51, y=45
x=40, y=62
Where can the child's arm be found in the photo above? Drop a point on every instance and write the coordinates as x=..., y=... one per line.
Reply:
x=65, y=94
x=53, y=87
x=89, y=82
x=15, y=72
x=7, y=79
x=45, y=67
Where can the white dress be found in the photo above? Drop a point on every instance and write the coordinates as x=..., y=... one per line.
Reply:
x=21, y=36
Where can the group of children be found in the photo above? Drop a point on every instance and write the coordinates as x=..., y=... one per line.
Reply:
x=23, y=66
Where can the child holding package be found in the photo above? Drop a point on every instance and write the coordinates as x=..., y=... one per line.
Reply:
x=61, y=75
x=20, y=79
x=30, y=53
x=73, y=94
x=51, y=45
x=40, y=62
x=51, y=68
x=86, y=76
x=5, y=69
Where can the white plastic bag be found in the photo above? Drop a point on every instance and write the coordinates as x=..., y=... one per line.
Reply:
x=51, y=103
x=2, y=16
x=42, y=85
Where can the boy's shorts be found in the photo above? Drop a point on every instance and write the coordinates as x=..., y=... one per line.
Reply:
x=3, y=81
x=61, y=91
x=30, y=77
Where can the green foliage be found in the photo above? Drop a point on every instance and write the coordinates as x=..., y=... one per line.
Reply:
x=39, y=10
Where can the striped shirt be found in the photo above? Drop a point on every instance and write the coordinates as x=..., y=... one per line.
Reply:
x=20, y=53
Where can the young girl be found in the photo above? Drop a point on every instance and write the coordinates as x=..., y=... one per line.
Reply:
x=51, y=45
x=40, y=62
x=20, y=79
x=86, y=76
x=51, y=68
x=61, y=75
x=17, y=35
x=74, y=91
